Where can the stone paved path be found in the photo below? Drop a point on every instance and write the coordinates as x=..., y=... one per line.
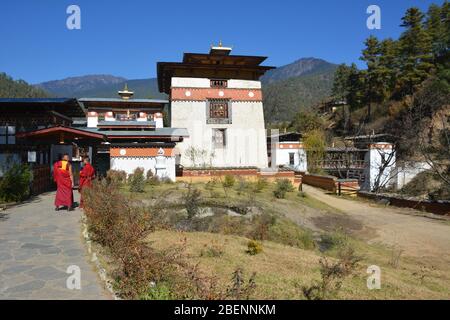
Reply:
x=37, y=245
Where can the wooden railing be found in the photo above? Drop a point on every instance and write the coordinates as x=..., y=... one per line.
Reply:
x=341, y=164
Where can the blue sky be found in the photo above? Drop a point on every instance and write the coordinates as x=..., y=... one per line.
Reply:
x=127, y=38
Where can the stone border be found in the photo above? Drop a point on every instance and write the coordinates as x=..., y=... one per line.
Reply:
x=93, y=258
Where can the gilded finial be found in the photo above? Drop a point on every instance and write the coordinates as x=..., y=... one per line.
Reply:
x=125, y=93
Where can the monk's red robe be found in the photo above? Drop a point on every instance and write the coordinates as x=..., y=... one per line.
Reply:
x=61, y=175
x=87, y=174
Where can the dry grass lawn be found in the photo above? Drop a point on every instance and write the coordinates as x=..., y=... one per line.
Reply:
x=281, y=270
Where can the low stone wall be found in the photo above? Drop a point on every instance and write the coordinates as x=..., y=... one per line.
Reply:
x=436, y=207
x=204, y=175
x=219, y=172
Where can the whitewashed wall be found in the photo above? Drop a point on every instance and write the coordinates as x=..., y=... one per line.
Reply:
x=246, y=136
x=245, y=141
x=374, y=157
x=165, y=165
x=282, y=158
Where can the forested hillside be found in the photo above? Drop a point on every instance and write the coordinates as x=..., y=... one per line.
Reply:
x=74, y=86
x=404, y=93
x=10, y=88
x=284, y=98
x=102, y=86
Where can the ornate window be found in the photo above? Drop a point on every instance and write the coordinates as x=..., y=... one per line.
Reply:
x=217, y=83
x=219, y=111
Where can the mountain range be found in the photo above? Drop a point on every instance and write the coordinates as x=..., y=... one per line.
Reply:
x=287, y=89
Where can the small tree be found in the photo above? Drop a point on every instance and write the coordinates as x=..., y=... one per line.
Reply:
x=200, y=157
x=191, y=201
x=315, y=149
x=229, y=181
x=283, y=186
x=137, y=180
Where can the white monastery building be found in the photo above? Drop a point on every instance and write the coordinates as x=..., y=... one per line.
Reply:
x=213, y=118
x=217, y=97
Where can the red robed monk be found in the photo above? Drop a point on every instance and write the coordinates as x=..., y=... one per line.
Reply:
x=87, y=174
x=62, y=174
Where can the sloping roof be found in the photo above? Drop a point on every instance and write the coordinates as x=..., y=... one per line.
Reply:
x=211, y=65
x=158, y=132
x=131, y=101
x=69, y=133
x=152, y=104
x=126, y=123
x=69, y=107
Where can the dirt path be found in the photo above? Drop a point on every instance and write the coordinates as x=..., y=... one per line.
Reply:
x=417, y=236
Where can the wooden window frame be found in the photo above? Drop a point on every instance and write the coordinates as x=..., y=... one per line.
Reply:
x=7, y=136
x=218, y=83
x=211, y=119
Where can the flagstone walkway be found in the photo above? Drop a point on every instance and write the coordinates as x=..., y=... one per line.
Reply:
x=37, y=245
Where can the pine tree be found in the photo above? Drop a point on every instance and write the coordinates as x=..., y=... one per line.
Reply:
x=340, y=89
x=389, y=66
x=374, y=90
x=415, y=52
x=436, y=27
x=355, y=85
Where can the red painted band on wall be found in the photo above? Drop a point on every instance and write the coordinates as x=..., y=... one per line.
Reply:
x=202, y=94
x=140, y=152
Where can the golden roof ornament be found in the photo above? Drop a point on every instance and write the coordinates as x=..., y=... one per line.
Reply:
x=220, y=49
x=125, y=94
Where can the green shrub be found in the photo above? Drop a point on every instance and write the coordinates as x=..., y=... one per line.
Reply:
x=191, y=201
x=15, y=183
x=158, y=292
x=229, y=181
x=289, y=233
x=282, y=187
x=153, y=181
x=333, y=240
x=260, y=184
x=279, y=194
x=214, y=250
x=137, y=180
x=254, y=247
x=261, y=225
x=242, y=186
